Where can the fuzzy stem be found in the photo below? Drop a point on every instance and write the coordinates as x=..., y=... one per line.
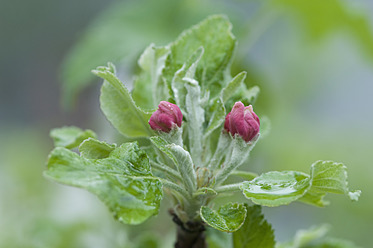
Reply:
x=171, y=172
x=228, y=188
x=176, y=187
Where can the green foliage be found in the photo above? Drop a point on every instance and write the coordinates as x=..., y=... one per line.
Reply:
x=95, y=149
x=281, y=188
x=233, y=86
x=119, y=107
x=187, y=71
x=122, y=180
x=121, y=31
x=214, y=35
x=118, y=33
x=255, y=232
x=218, y=239
x=70, y=137
x=316, y=238
x=181, y=159
x=228, y=218
x=192, y=161
x=151, y=62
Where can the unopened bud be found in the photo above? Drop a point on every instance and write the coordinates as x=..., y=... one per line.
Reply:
x=242, y=121
x=167, y=117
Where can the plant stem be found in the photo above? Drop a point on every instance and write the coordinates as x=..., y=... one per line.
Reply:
x=190, y=234
x=173, y=173
x=228, y=188
x=176, y=187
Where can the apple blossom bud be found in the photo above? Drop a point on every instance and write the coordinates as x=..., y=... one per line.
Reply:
x=166, y=117
x=243, y=121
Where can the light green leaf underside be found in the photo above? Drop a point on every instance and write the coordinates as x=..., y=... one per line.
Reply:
x=187, y=71
x=182, y=161
x=214, y=35
x=195, y=116
x=70, y=137
x=255, y=232
x=281, y=188
x=119, y=107
x=229, y=218
x=147, y=91
x=122, y=180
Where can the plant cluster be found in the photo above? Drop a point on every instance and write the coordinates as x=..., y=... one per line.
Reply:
x=201, y=133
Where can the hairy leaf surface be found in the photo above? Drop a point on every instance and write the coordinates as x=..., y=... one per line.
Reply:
x=122, y=180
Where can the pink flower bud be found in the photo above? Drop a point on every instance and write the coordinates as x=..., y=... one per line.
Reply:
x=242, y=120
x=166, y=117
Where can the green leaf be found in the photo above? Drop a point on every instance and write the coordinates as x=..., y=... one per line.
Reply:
x=187, y=71
x=233, y=86
x=237, y=154
x=182, y=161
x=95, y=149
x=195, y=116
x=245, y=95
x=121, y=31
x=217, y=116
x=328, y=177
x=276, y=188
x=214, y=35
x=122, y=180
x=218, y=239
x=148, y=92
x=315, y=237
x=222, y=150
x=281, y=188
x=70, y=137
x=228, y=218
x=119, y=107
x=255, y=232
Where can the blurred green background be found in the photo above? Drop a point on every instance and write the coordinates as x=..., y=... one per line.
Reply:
x=312, y=59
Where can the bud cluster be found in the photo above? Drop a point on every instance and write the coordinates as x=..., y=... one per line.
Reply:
x=241, y=120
